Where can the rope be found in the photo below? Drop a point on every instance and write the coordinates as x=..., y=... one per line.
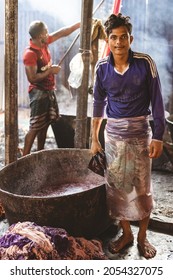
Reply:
x=85, y=51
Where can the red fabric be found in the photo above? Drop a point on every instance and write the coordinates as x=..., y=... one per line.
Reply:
x=117, y=6
x=116, y=9
x=40, y=57
x=30, y=58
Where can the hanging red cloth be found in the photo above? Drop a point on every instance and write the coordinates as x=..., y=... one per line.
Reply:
x=116, y=9
x=117, y=6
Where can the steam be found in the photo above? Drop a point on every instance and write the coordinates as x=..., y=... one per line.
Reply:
x=152, y=30
x=66, y=11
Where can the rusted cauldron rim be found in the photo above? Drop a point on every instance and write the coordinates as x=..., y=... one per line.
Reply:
x=46, y=197
x=42, y=197
x=169, y=119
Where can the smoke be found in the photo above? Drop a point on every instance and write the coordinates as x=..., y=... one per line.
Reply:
x=66, y=11
x=152, y=29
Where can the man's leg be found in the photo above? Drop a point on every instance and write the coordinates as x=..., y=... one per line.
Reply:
x=41, y=138
x=125, y=240
x=29, y=139
x=145, y=248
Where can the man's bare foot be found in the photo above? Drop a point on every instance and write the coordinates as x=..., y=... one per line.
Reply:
x=146, y=249
x=122, y=243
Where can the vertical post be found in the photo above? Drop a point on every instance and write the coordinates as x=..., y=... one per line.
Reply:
x=82, y=98
x=11, y=69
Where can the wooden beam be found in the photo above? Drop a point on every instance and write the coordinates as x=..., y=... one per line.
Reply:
x=82, y=97
x=11, y=69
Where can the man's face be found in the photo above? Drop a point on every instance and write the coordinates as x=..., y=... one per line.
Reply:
x=44, y=36
x=119, y=40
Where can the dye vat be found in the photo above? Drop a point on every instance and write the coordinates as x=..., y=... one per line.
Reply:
x=169, y=121
x=55, y=188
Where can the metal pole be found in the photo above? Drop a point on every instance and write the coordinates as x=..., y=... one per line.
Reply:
x=11, y=104
x=82, y=97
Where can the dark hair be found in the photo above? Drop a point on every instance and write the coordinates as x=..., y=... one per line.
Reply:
x=36, y=28
x=115, y=21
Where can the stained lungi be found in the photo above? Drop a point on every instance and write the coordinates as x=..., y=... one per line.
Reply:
x=128, y=173
x=44, y=108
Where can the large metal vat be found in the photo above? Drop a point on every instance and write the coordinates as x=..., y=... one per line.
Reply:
x=169, y=121
x=80, y=209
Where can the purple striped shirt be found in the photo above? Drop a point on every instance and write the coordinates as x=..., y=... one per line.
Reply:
x=135, y=93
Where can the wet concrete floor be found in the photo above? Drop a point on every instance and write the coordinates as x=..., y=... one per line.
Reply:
x=161, y=241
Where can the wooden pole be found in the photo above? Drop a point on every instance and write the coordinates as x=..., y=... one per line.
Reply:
x=11, y=104
x=82, y=97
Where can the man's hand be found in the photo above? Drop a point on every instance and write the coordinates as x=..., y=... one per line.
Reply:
x=54, y=69
x=95, y=147
x=95, y=143
x=155, y=148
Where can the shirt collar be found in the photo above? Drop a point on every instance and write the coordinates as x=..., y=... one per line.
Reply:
x=130, y=59
x=32, y=45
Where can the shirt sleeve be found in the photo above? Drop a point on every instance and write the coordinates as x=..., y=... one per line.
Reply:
x=157, y=105
x=100, y=96
x=30, y=58
x=49, y=40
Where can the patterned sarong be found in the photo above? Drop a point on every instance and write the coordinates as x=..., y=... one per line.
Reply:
x=128, y=174
x=44, y=108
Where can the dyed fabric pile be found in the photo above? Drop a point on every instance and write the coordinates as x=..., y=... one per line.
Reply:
x=28, y=241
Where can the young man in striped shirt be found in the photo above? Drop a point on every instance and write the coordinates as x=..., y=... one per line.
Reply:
x=127, y=84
